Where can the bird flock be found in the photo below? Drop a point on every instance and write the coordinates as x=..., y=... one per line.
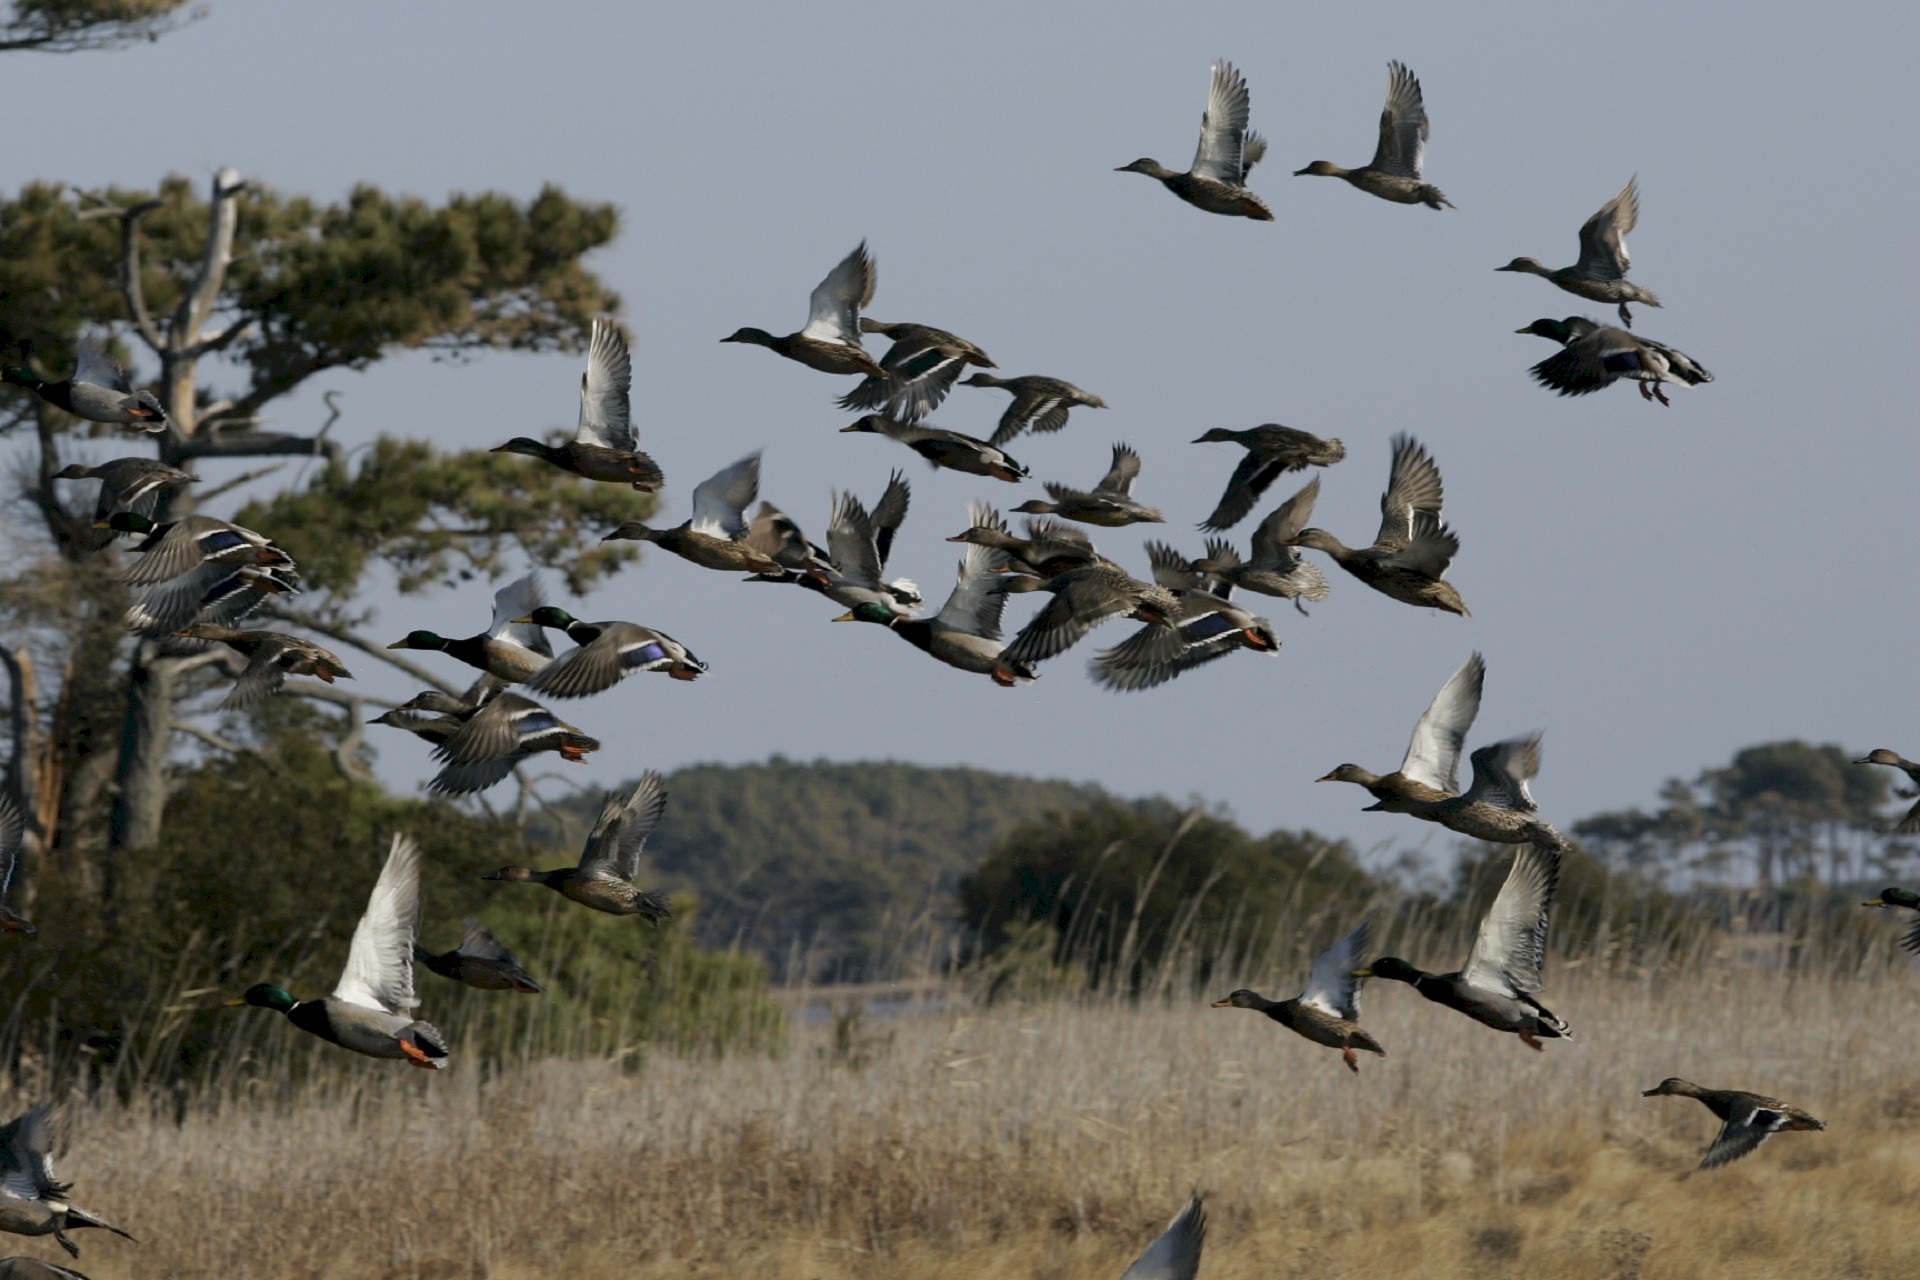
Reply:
x=193, y=578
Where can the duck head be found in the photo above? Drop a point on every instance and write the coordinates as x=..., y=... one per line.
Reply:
x=1149, y=166
x=1880, y=755
x=522, y=444
x=981, y=380
x=1895, y=898
x=1241, y=999
x=1393, y=968
x=1031, y=507
x=1560, y=331
x=264, y=995
x=1320, y=169
x=1219, y=435
x=1672, y=1085
x=1349, y=773
x=1530, y=265
x=126, y=522
x=549, y=616
x=512, y=875
x=633, y=531
x=420, y=640
x=436, y=703
x=758, y=337
x=74, y=471
x=874, y=422
x=1317, y=539
x=869, y=611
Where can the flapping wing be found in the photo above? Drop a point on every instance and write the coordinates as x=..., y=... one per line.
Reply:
x=379, y=972
x=1403, y=125
x=1501, y=773
x=480, y=943
x=1122, y=473
x=1171, y=569
x=12, y=831
x=613, y=848
x=1433, y=757
x=1511, y=948
x=494, y=731
x=26, y=1154
x=1175, y=1253
x=833, y=312
x=1270, y=549
x=516, y=600
x=262, y=678
x=1223, y=128
x=1413, y=485
x=1603, y=237
x=1743, y=1131
x=979, y=596
x=1251, y=478
x=605, y=388
x=721, y=500
x=1331, y=986
x=95, y=366
x=889, y=514
x=851, y=544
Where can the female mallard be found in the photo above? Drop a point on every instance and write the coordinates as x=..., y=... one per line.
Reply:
x=1175, y=1252
x=180, y=564
x=1497, y=985
x=1601, y=273
x=1217, y=179
x=370, y=1011
x=433, y=716
x=1750, y=1118
x=508, y=650
x=133, y=485
x=32, y=1201
x=608, y=653
x=13, y=832
x=1910, y=824
x=1108, y=504
x=502, y=733
x=1083, y=598
x=943, y=448
x=1276, y=568
x=851, y=569
x=1413, y=549
x=1593, y=356
x=1901, y=898
x=831, y=340
x=965, y=634
x=1328, y=1011
x=272, y=656
x=1496, y=806
x=1049, y=548
x=917, y=371
x=1272, y=451
x=604, y=446
x=1206, y=626
x=1039, y=404
x=98, y=391
x=1394, y=173
x=1430, y=771
x=715, y=537
x=481, y=961
x=603, y=879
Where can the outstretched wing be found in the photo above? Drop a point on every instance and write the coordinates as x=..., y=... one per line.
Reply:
x=1433, y=757
x=1331, y=986
x=889, y=514
x=1175, y=1252
x=1223, y=128
x=516, y=600
x=95, y=366
x=979, y=596
x=480, y=943
x=379, y=972
x=605, y=388
x=12, y=831
x=833, y=312
x=613, y=849
x=1122, y=473
x=1511, y=948
x=850, y=541
x=721, y=500
x=1603, y=237
x=1501, y=773
x=1403, y=125
x=1413, y=485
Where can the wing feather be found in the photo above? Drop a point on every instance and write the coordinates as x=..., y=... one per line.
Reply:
x=379, y=972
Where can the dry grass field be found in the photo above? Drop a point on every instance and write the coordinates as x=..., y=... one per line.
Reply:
x=1051, y=1141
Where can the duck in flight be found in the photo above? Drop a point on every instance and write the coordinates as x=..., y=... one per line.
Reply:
x=1217, y=179
x=1398, y=159
x=831, y=340
x=604, y=446
x=1328, y=1011
x=1600, y=274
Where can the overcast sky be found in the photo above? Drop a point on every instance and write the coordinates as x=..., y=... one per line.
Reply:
x=1652, y=587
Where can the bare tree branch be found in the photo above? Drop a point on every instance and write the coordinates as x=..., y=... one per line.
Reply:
x=211, y=738
x=245, y=477
x=207, y=346
x=130, y=274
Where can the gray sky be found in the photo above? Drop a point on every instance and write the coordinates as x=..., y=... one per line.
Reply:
x=1652, y=587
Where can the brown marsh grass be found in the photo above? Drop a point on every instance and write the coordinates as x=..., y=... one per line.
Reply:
x=1050, y=1142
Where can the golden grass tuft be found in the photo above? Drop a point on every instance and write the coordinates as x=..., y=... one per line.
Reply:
x=1051, y=1142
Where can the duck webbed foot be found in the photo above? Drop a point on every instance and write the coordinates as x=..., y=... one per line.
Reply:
x=1626, y=316
x=1644, y=393
x=1353, y=1063
x=1660, y=395
x=60, y=1238
x=1527, y=1039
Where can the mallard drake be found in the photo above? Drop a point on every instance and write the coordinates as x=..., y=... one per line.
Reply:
x=32, y=1202
x=181, y=565
x=1394, y=173
x=1217, y=179
x=272, y=656
x=233, y=595
x=1601, y=273
x=604, y=446
x=1593, y=356
x=1907, y=898
x=370, y=1010
x=1039, y=404
x=919, y=369
x=850, y=569
x=1272, y=451
x=1276, y=569
x=715, y=536
x=607, y=653
x=1083, y=598
x=99, y=390
x=1430, y=772
x=511, y=651
x=831, y=340
x=134, y=485
x=1413, y=549
x=1497, y=985
x=943, y=448
x=1049, y=548
x=481, y=961
x=1108, y=504
x=603, y=879
x=1750, y=1118
x=1328, y=1011
x=1206, y=626
x=504, y=731
x=1175, y=1252
x=965, y=634
x=1910, y=824
x=13, y=831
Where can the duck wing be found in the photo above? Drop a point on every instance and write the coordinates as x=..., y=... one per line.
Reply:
x=264, y=675
x=1413, y=485
x=1270, y=537
x=1121, y=474
x=605, y=390
x=190, y=543
x=379, y=972
x=1331, y=986
x=1223, y=129
x=979, y=597
x=1083, y=598
x=94, y=366
x=721, y=500
x=12, y=835
x=613, y=847
x=1511, y=948
x=1433, y=757
x=516, y=600
x=494, y=732
x=1501, y=773
x=1175, y=1252
x=1746, y=1128
x=479, y=942
x=26, y=1155
x=1603, y=237
x=850, y=542
x=833, y=310
x=889, y=514
x=1173, y=570
x=1403, y=125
